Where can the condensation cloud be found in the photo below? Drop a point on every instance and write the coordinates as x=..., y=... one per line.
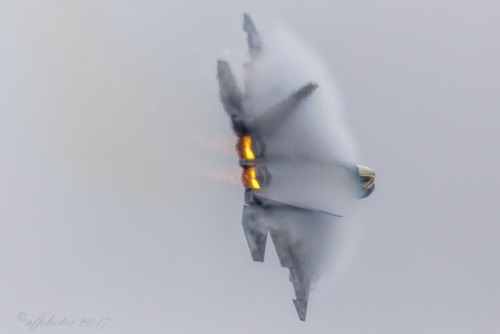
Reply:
x=306, y=151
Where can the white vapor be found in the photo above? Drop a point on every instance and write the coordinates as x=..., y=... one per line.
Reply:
x=306, y=151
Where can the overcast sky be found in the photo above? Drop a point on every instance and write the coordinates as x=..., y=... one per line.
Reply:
x=110, y=128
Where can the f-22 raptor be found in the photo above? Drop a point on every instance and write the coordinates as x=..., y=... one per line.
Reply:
x=296, y=230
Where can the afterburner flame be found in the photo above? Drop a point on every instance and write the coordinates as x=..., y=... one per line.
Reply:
x=249, y=178
x=244, y=148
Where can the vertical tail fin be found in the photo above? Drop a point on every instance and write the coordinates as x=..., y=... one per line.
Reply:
x=255, y=232
x=253, y=37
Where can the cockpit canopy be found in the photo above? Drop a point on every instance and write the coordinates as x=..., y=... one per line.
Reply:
x=366, y=177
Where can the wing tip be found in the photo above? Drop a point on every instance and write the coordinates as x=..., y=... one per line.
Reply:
x=301, y=307
x=247, y=21
x=258, y=256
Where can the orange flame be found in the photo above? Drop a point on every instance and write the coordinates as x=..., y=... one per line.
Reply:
x=249, y=178
x=244, y=148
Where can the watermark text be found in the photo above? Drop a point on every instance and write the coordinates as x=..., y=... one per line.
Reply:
x=54, y=320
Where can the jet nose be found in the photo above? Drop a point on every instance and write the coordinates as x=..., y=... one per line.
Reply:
x=367, y=180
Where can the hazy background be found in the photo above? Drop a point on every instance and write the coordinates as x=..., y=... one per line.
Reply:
x=111, y=133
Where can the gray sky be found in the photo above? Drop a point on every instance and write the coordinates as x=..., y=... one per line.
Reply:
x=109, y=120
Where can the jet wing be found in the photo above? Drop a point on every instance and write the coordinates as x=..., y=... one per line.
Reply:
x=299, y=236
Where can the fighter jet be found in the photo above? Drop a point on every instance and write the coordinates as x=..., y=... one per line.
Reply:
x=297, y=230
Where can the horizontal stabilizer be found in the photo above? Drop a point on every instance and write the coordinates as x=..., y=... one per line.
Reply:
x=231, y=97
x=230, y=93
x=270, y=120
x=255, y=232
